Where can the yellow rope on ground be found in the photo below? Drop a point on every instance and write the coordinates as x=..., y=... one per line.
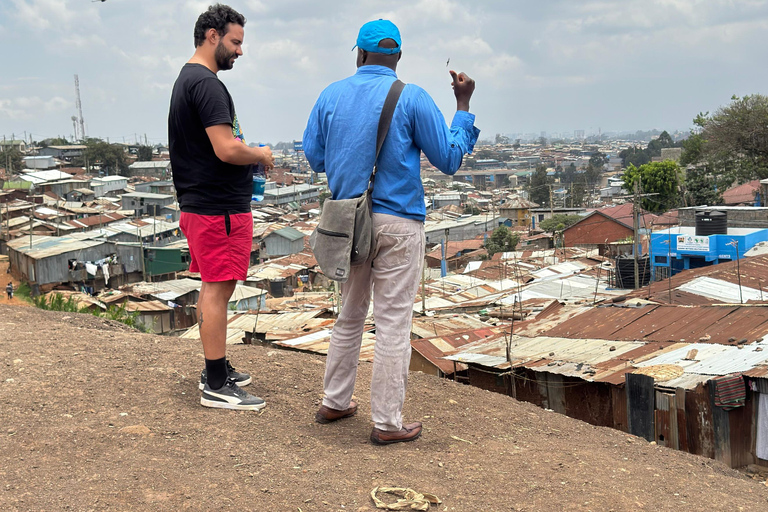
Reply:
x=410, y=499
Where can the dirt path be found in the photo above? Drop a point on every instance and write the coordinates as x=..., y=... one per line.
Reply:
x=98, y=417
x=4, y=278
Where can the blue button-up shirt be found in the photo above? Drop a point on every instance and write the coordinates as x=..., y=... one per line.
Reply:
x=340, y=140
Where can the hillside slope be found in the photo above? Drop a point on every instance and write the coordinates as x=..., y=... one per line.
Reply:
x=99, y=417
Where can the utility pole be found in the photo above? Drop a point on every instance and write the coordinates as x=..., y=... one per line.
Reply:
x=423, y=290
x=635, y=229
x=551, y=206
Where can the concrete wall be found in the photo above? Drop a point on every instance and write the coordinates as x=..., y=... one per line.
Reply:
x=742, y=217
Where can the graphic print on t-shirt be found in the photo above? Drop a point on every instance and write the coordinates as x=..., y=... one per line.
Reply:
x=236, y=131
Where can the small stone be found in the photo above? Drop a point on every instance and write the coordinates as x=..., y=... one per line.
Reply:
x=17, y=361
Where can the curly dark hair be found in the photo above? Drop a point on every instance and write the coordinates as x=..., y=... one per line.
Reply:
x=217, y=16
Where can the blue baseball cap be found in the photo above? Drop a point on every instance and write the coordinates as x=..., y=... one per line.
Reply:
x=374, y=32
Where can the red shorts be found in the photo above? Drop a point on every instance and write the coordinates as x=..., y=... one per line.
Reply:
x=220, y=245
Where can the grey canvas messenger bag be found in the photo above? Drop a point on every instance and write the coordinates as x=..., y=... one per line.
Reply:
x=344, y=236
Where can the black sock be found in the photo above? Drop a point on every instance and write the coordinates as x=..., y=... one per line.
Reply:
x=217, y=372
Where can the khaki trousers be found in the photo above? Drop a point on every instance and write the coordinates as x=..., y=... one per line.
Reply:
x=393, y=273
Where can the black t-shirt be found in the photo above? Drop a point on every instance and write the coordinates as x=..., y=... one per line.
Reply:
x=204, y=184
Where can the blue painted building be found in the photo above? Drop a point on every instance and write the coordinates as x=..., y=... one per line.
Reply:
x=679, y=248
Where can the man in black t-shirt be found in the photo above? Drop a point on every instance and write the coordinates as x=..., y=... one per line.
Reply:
x=212, y=173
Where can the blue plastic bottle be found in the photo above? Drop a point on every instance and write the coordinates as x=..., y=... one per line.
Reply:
x=259, y=180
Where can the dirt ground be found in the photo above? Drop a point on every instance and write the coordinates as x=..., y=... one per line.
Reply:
x=95, y=416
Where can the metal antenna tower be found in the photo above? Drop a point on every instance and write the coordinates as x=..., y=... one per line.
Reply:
x=74, y=126
x=79, y=107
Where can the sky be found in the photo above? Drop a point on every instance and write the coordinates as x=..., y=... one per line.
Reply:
x=550, y=66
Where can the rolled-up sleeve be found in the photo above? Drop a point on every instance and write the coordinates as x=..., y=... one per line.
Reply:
x=314, y=141
x=444, y=147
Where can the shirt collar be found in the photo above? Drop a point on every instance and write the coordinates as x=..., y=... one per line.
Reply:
x=371, y=69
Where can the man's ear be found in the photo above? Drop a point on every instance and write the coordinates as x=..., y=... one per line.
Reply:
x=399, y=56
x=212, y=35
x=363, y=56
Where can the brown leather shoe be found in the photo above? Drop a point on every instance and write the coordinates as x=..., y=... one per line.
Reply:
x=328, y=415
x=409, y=432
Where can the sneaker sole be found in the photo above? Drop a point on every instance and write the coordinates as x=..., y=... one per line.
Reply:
x=201, y=386
x=226, y=405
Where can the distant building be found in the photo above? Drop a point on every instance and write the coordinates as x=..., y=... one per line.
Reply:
x=145, y=203
x=445, y=199
x=283, y=242
x=156, y=187
x=106, y=185
x=155, y=169
x=39, y=162
x=302, y=193
x=604, y=226
x=63, y=152
x=18, y=145
x=747, y=194
x=517, y=210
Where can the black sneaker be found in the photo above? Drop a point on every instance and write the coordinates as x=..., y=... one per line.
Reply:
x=230, y=396
x=241, y=379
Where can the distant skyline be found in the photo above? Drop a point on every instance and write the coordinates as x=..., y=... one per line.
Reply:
x=554, y=67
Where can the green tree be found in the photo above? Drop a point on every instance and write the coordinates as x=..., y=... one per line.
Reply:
x=538, y=186
x=569, y=173
x=502, y=139
x=660, y=178
x=578, y=194
x=11, y=159
x=471, y=209
x=501, y=240
x=597, y=163
x=110, y=157
x=664, y=140
x=559, y=222
x=144, y=154
x=325, y=194
x=704, y=188
x=736, y=137
x=634, y=156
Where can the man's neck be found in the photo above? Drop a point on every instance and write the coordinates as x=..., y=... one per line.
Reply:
x=201, y=57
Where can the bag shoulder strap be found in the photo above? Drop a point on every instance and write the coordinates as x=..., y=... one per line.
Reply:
x=384, y=121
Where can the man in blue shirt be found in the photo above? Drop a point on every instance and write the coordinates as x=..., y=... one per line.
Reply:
x=340, y=140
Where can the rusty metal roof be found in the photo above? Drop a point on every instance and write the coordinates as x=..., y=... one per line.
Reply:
x=154, y=306
x=428, y=327
x=318, y=343
x=752, y=270
x=714, y=324
x=433, y=349
x=525, y=351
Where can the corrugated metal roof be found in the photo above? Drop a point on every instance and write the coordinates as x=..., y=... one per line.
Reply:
x=433, y=349
x=524, y=350
x=148, y=306
x=47, y=246
x=714, y=359
x=318, y=343
x=716, y=324
x=166, y=290
x=723, y=291
x=428, y=327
